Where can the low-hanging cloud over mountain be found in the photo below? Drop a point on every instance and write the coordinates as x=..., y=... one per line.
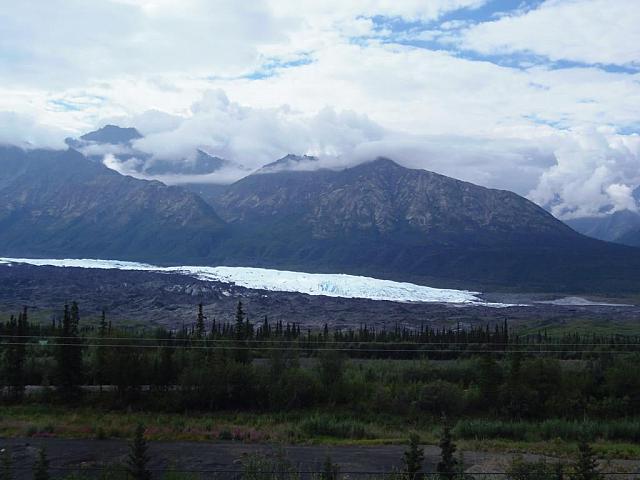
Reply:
x=537, y=97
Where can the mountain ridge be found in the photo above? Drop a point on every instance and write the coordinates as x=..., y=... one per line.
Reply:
x=377, y=219
x=59, y=202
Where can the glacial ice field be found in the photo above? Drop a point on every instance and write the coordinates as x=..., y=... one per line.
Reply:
x=331, y=285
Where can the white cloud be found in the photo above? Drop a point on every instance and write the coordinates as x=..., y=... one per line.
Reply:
x=589, y=31
x=594, y=174
x=321, y=78
x=253, y=137
x=27, y=132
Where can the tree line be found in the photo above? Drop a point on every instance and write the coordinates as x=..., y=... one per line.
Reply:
x=270, y=366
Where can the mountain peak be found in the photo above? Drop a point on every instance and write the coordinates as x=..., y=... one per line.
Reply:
x=112, y=134
x=288, y=162
x=383, y=162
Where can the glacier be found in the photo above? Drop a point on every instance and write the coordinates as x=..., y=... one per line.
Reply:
x=330, y=285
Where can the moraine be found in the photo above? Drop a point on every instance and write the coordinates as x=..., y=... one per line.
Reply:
x=331, y=285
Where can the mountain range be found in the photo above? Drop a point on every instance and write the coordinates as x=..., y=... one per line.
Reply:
x=120, y=142
x=377, y=218
x=620, y=227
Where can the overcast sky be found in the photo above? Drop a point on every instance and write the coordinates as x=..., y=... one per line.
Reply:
x=539, y=97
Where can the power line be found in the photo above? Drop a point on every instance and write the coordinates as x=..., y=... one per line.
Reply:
x=302, y=348
x=301, y=339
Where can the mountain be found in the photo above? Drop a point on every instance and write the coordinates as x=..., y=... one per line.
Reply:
x=112, y=135
x=619, y=227
x=60, y=203
x=197, y=163
x=377, y=219
x=290, y=162
x=382, y=219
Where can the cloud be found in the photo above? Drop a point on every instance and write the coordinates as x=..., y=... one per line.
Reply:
x=63, y=43
x=25, y=131
x=502, y=100
x=587, y=31
x=595, y=173
x=253, y=137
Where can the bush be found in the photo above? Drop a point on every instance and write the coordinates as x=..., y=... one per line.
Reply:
x=261, y=467
x=330, y=426
x=442, y=397
x=523, y=470
x=485, y=429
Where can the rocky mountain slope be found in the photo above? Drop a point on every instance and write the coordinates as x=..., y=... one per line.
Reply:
x=412, y=224
x=377, y=219
x=383, y=199
x=60, y=203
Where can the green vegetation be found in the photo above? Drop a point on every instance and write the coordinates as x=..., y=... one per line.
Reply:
x=413, y=457
x=41, y=467
x=138, y=456
x=268, y=382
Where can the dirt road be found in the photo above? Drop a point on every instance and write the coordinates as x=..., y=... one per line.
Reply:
x=77, y=455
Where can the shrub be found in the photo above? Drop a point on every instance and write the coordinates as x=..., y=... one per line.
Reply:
x=442, y=397
x=484, y=429
x=523, y=470
x=330, y=426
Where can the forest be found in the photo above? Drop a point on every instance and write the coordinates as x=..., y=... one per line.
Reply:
x=286, y=385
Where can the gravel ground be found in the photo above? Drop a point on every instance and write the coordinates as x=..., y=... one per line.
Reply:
x=69, y=455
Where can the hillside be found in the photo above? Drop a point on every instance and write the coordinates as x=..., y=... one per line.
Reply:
x=59, y=203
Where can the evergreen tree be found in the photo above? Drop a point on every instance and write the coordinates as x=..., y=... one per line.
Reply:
x=100, y=366
x=70, y=353
x=413, y=457
x=447, y=464
x=241, y=353
x=138, y=457
x=41, y=467
x=166, y=370
x=330, y=471
x=586, y=466
x=7, y=464
x=200, y=328
x=489, y=381
x=15, y=356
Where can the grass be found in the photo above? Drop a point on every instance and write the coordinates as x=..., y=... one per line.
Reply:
x=612, y=439
x=565, y=430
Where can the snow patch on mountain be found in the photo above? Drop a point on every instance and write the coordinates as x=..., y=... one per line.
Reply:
x=331, y=285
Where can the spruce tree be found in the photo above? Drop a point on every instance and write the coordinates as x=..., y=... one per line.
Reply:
x=166, y=370
x=100, y=367
x=447, y=464
x=490, y=378
x=7, y=464
x=70, y=353
x=15, y=356
x=330, y=471
x=413, y=457
x=138, y=457
x=586, y=466
x=41, y=467
x=200, y=328
x=241, y=351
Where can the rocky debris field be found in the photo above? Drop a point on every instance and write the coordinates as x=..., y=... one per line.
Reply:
x=152, y=298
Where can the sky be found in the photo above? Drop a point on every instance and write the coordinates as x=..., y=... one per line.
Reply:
x=538, y=97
